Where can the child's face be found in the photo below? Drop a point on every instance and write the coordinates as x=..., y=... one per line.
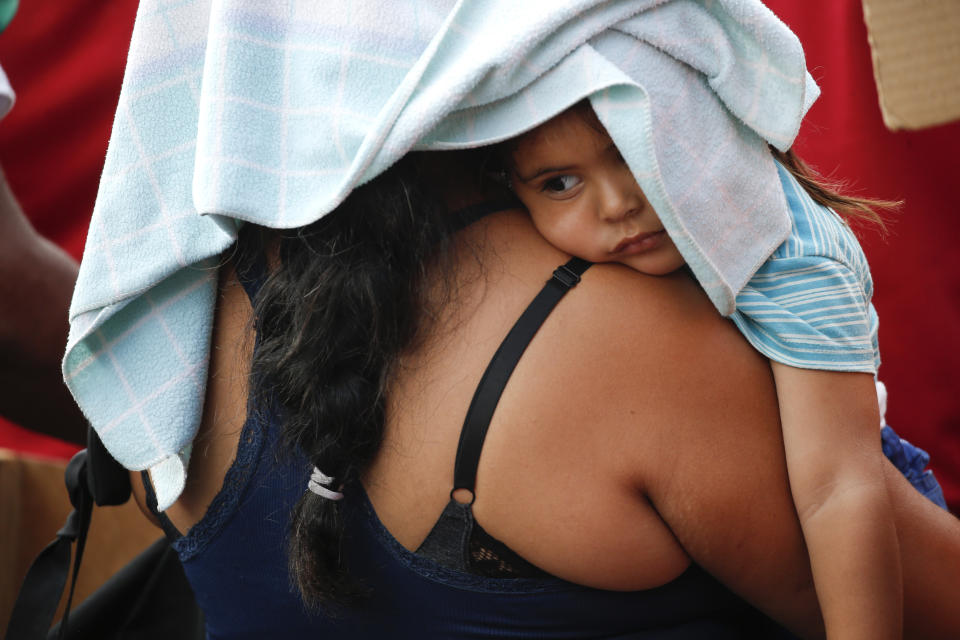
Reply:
x=584, y=200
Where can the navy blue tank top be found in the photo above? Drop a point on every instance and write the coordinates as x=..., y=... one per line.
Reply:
x=236, y=561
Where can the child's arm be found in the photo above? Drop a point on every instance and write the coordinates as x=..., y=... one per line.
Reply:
x=835, y=464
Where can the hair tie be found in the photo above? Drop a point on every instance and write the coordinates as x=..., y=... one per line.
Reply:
x=320, y=483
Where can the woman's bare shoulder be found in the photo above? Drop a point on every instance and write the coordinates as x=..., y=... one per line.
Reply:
x=657, y=346
x=650, y=344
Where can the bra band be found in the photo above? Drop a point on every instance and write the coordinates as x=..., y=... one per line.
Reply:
x=501, y=367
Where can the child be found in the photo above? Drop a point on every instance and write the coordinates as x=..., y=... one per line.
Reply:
x=584, y=200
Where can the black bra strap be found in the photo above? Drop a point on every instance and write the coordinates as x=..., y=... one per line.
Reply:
x=501, y=366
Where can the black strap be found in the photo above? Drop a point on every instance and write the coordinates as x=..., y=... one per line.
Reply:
x=171, y=531
x=501, y=367
x=109, y=481
x=92, y=477
x=43, y=585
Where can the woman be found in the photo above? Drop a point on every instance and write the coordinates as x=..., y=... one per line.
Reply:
x=610, y=462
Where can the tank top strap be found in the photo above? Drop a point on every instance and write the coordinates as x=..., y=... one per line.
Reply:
x=501, y=366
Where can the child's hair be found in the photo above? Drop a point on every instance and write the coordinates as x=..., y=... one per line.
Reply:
x=830, y=193
x=827, y=192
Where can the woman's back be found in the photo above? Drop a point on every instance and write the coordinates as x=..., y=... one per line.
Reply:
x=620, y=446
x=634, y=401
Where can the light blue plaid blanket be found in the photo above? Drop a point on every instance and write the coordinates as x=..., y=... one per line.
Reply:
x=272, y=112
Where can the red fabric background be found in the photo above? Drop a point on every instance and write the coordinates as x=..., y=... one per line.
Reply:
x=65, y=61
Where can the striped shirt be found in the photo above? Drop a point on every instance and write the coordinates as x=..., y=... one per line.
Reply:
x=808, y=305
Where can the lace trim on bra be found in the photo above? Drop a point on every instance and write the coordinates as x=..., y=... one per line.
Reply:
x=431, y=570
x=489, y=557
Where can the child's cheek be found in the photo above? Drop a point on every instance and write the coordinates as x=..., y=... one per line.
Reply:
x=566, y=233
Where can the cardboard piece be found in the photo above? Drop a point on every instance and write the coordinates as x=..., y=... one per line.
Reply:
x=34, y=505
x=916, y=60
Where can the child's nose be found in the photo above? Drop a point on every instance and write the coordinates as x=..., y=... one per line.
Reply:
x=622, y=198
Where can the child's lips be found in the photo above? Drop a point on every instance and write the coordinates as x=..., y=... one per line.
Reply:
x=640, y=242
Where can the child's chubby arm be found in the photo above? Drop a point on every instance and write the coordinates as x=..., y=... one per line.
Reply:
x=830, y=424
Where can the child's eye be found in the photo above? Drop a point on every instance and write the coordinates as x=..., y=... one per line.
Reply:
x=560, y=184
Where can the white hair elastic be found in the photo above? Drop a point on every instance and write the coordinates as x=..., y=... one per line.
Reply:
x=320, y=485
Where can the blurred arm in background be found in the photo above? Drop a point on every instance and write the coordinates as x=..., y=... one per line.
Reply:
x=36, y=283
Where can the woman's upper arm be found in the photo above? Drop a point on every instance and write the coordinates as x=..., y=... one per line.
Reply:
x=709, y=452
x=710, y=458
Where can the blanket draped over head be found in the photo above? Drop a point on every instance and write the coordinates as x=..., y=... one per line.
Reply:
x=272, y=112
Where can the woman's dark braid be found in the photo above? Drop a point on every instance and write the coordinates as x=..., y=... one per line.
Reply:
x=344, y=298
